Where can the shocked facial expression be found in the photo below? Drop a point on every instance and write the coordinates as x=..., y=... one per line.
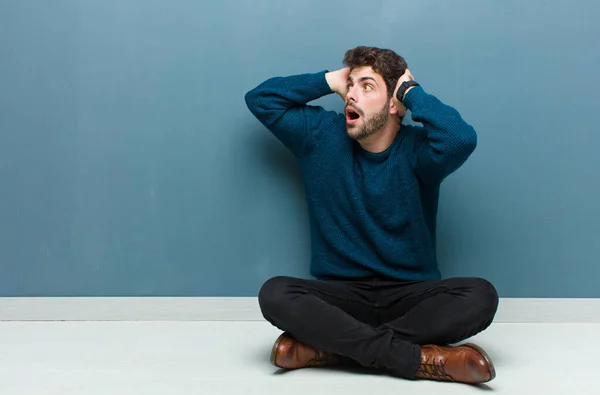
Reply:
x=367, y=103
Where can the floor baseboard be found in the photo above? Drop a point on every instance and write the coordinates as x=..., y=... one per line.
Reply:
x=521, y=310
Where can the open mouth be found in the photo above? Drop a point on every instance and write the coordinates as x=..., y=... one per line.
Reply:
x=351, y=115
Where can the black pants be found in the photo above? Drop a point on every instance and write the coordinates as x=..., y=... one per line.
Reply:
x=379, y=323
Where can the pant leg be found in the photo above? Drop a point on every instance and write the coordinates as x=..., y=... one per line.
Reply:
x=439, y=312
x=324, y=314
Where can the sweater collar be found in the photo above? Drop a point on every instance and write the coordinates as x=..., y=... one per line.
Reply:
x=378, y=157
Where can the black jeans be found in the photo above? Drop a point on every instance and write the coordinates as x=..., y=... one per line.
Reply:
x=379, y=323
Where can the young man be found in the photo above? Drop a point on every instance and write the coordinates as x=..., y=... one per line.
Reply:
x=372, y=188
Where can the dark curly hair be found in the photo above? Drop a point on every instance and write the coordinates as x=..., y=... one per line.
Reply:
x=385, y=62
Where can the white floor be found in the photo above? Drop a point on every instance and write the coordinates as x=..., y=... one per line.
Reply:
x=233, y=358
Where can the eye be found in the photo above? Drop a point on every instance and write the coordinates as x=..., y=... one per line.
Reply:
x=368, y=87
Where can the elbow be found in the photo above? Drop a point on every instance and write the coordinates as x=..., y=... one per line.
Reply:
x=468, y=141
x=251, y=98
x=258, y=96
x=260, y=106
x=255, y=102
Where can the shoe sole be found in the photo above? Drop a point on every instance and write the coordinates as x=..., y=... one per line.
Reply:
x=274, y=349
x=485, y=356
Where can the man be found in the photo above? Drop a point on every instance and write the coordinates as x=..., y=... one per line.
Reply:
x=372, y=187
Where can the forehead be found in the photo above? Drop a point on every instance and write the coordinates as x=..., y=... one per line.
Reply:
x=365, y=71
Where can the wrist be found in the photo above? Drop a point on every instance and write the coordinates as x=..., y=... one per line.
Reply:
x=330, y=77
x=404, y=88
x=405, y=92
x=338, y=80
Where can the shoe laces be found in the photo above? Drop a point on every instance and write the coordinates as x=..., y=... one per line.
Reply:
x=323, y=357
x=432, y=368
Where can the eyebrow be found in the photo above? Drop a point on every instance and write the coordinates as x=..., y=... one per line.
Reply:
x=363, y=79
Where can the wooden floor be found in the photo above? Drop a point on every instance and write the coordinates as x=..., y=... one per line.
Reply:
x=196, y=357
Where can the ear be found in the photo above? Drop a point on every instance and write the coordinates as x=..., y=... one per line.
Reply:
x=397, y=108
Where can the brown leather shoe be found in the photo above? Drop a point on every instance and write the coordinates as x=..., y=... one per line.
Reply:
x=467, y=363
x=290, y=353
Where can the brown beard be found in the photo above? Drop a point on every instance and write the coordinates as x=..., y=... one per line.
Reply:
x=372, y=125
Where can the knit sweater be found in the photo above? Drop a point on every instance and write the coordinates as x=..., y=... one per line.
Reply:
x=371, y=214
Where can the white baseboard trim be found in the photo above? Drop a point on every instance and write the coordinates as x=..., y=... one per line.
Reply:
x=521, y=310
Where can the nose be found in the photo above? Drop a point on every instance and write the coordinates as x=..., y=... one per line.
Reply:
x=351, y=95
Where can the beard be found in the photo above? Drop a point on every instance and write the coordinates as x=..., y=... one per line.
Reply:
x=369, y=126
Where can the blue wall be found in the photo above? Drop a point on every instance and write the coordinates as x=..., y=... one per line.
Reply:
x=129, y=164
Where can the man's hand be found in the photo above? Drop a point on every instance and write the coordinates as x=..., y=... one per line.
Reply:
x=338, y=80
x=407, y=76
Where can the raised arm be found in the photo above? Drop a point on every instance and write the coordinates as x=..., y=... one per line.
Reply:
x=280, y=104
x=448, y=140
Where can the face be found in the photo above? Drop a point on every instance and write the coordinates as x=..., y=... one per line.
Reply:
x=367, y=103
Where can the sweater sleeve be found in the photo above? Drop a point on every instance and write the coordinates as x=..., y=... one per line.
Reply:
x=448, y=140
x=280, y=104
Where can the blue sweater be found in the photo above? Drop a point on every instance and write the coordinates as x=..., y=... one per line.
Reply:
x=371, y=214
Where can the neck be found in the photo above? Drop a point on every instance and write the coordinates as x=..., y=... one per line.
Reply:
x=380, y=141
